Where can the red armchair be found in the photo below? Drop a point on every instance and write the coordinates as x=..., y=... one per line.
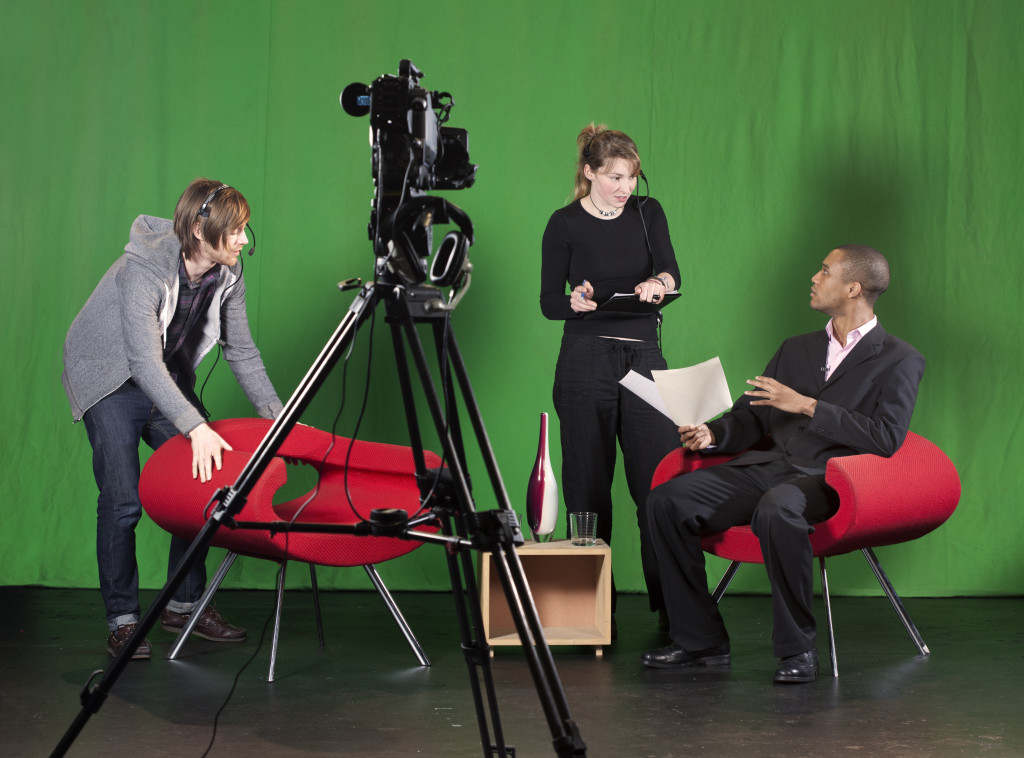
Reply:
x=882, y=501
x=379, y=476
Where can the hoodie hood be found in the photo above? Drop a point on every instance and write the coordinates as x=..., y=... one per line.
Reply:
x=152, y=241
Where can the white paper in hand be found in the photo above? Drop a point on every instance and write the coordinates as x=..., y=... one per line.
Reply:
x=645, y=389
x=694, y=394
x=689, y=396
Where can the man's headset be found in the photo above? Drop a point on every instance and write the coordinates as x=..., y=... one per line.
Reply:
x=204, y=212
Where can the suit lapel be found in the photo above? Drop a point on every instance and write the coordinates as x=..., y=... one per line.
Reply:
x=869, y=346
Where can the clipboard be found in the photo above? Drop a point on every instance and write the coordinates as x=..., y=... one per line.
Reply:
x=627, y=302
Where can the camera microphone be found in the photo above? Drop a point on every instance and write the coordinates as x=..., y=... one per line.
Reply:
x=355, y=99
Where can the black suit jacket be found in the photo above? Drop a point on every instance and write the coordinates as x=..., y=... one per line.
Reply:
x=864, y=407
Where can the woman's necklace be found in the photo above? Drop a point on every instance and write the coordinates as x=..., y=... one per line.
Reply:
x=606, y=214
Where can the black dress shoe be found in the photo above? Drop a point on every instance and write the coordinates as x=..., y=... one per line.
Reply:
x=673, y=656
x=798, y=668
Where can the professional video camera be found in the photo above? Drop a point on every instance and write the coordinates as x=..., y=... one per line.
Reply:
x=411, y=145
x=412, y=152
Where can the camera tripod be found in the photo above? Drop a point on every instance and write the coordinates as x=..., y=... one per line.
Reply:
x=464, y=529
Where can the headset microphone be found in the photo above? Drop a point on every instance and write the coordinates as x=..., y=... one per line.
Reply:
x=253, y=248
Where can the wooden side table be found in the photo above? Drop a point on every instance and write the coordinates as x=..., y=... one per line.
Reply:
x=571, y=587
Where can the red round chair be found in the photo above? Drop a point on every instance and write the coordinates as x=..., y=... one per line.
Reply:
x=379, y=476
x=882, y=501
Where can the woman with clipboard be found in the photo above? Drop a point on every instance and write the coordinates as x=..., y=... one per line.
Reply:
x=607, y=241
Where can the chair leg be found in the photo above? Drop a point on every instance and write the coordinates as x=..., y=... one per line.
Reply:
x=897, y=605
x=316, y=604
x=725, y=581
x=828, y=616
x=211, y=588
x=389, y=601
x=277, y=619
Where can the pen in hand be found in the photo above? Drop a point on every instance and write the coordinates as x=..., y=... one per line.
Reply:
x=584, y=304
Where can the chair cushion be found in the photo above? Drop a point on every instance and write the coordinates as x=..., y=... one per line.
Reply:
x=882, y=501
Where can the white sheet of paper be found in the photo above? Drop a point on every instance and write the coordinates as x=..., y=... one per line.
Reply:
x=689, y=396
x=645, y=389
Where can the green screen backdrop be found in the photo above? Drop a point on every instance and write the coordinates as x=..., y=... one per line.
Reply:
x=771, y=131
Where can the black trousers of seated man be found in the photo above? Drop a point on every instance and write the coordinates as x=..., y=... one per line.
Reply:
x=781, y=503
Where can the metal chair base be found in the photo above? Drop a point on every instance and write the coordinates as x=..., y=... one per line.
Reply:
x=222, y=571
x=883, y=580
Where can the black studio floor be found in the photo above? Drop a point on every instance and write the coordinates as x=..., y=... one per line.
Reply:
x=363, y=694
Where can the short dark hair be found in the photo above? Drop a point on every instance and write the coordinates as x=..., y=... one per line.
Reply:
x=226, y=211
x=867, y=266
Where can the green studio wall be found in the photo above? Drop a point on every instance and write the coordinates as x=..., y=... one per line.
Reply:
x=770, y=131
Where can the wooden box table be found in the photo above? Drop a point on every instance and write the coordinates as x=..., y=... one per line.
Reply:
x=571, y=587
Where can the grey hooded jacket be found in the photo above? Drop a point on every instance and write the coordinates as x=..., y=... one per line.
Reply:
x=120, y=331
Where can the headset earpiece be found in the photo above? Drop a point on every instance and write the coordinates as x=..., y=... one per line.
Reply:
x=412, y=224
x=449, y=260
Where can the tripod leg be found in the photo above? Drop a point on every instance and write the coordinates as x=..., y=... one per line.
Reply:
x=93, y=699
x=567, y=740
x=477, y=420
x=542, y=664
x=476, y=650
x=566, y=735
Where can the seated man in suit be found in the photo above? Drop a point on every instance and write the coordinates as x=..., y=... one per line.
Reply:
x=848, y=389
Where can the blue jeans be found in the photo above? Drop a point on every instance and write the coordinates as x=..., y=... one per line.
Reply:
x=115, y=426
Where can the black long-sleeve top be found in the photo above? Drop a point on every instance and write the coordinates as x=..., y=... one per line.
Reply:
x=613, y=256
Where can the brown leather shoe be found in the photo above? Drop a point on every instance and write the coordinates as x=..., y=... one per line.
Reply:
x=211, y=626
x=118, y=638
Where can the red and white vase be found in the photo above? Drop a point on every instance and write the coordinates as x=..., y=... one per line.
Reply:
x=542, y=491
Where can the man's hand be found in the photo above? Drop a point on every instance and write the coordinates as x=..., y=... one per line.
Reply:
x=696, y=437
x=778, y=395
x=206, y=451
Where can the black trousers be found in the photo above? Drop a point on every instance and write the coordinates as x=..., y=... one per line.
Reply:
x=595, y=411
x=780, y=503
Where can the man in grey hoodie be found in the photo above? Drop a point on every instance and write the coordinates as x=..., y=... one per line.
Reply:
x=129, y=371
